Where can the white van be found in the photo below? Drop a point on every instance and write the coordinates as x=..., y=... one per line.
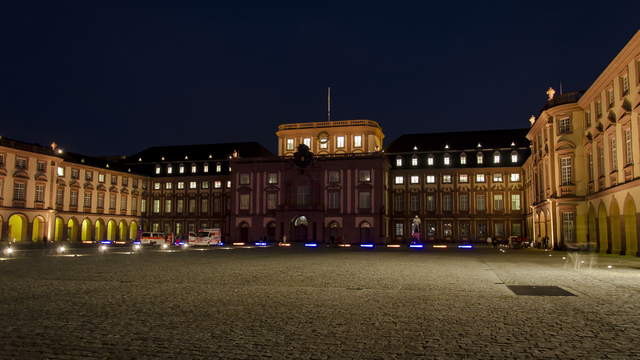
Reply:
x=207, y=237
x=152, y=238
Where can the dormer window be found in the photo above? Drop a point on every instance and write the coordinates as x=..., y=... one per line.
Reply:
x=496, y=157
x=194, y=168
x=158, y=169
x=218, y=167
x=479, y=158
x=205, y=168
x=181, y=169
x=169, y=169
x=463, y=159
x=414, y=160
x=398, y=161
x=514, y=156
x=447, y=159
x=430, y=160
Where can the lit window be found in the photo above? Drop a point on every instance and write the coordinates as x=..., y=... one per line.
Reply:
x=205, y=184
x=60, y=171
x=479, y=158
x=168, y=186
x=169, y=169
x=447, y=159
x=514, y=157
x=431, y=179
x=205, y=168
x=497, y=177
x=498, y=202
x=357, y=141
x=463, y=178
x=157, y=169
x=628, y=146
x=101, y=178
x=193, y=185
x=307, y=142
x=289, y=144
x=496, y=157
x=365, y=175
x=340, y=142
x=566, y=170
x=217, y=184
x=272, y=178
x=480, y=178
x=218, y=167
x=430, y=160
x=399, y=180
x=180, y=184
x=446, y=179
x=463, y=159
x=515, y=177
x=229, y=184
x=181, y=169
x=565, y=125
x=398, y=161
x=194, y=168
x=515, y=202
x=415, y=179
x=414, y=161
x=156, y=186
x=245, y=200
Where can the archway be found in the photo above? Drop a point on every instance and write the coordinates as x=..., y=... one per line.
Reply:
x=244, y=232
x=334, y=233
x=58, y=234
x=365, y=232
x=592, y=229
x=271, y=231
x=630, y=229
x=124, y=231
x=112, y=230
x=73, y=230
x=615, y=224
x=18, y=227
x=100, y=233
x=603, y=232
x=85, y=231
x=133, y=230
x=542, y=231
x=300, y=227
x=38, y=229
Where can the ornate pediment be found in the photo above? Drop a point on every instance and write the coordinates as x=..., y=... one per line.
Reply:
x=61, y=182
x=113, y=189
x=101, y=187
x=124, y=190
x=88, y=186
x=21, y=173
x=565, y=144
x=74, y=183
x=40, y=176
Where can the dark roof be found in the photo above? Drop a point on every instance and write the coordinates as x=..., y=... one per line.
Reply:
x=21, y=145
x=462, y=140
x=200, y=152
x=566, y=98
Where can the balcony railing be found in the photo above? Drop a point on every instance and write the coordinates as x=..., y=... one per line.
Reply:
x=324, y=124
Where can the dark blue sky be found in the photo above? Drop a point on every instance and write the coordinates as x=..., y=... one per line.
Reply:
x=105, y=80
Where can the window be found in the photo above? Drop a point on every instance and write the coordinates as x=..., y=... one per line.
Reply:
x=228, y=184
x=431, y=202
x=446, y=202
x=628, y=147
x=598, y=108
x=193, y=184
x=123, y=202
x=515, y=177
x=590, y=165
x=516, y=229
x=112, y=201
x=88, y=176
x=357, y=141
x=75, y=174
x=446, y=179
x=324, y=143
x=624, y=85
x=1, y=187
x=334, y=199
x=245, y=199
x=431, y=179
x=565, y=125
x=101, y=178
x=463, y=178
x=204, y=205
x=192, y=206
x=498, y=202
x=414, y=160
x=496, y=157
x=398, y=202
x=414, y=202
x=41, y=166
x=205, y=185
x=334, y=177
x=290, y=144
x=479, y=158
x=415, y=179
x=272, y=178
x=168, y=185
x=272, y=200
x=463, y=159
x=568, y=227
x=101, y=201
x=205, y=168
x=39, y=193
x=134, y=205
x=59, y=196
x=307, y=142
x=244, y=179
x=87, y=199
x=156, y=186
x=364, y=200
x=217, y=184
x=125, y=181
x=194, y=168
x=600, y=160
x=447, y=159
x=399, y=180
x=340, y=142
x=181, y=168
x=180, y=184
x=587, y=119
x=515, y=202
x=497, y=177
x=143, y=205
x=610, y=98
x=157, y=169
x=1, y=160
x=399, y=229
x=60, y=171
x=398, y=161
x=156, y=206
x=19, y=191
x=499, y=228
x=303, y=196
x=364, y=176
x=430, y=160
x=114, y=180
x=74, y=198
x=180, y=206
x=463, y=200
x=479, y=178
x=481, y=204
x=566, y=170
x=169, y=169
x=218, y=167
x=514, y=156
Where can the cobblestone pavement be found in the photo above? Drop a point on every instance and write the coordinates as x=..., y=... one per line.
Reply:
x=318, y=304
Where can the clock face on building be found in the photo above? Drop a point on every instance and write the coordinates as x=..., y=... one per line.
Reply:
x=323, y=138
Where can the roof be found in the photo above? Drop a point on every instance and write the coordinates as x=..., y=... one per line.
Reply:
x=200, y=152
x=461, y=140
x=566, y=98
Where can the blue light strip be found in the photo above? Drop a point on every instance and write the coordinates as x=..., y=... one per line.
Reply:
x=417, y=246
x=108, y=242
x=465, y=246
x=311, y=245
x=261, y=244
x=366, y=245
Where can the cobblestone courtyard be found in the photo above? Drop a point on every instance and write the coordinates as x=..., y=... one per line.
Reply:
x=317, y=303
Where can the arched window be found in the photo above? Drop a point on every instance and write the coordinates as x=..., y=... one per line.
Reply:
x=181, y=168
x=479, y=157
x=447, y=159
x=365, y=232
x=194, y=168
x=414, y=160
x=169, y=169
x=514, y=156
x=399, y=161
x=463, y=159
x=430, y=160
x=496, y=157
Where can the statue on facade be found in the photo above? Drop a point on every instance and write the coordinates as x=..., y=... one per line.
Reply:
x=415, y=228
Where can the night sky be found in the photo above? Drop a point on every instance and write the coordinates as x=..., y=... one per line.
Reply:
x=106, y=81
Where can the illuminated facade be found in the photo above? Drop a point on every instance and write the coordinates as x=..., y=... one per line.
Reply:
x=582, y=182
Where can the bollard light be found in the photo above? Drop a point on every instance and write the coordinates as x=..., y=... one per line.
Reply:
x=165, y=246
x=102, y=248
x=61, y=249
x=8, y=251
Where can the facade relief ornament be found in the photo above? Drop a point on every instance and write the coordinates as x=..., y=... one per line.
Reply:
x=550, y=93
